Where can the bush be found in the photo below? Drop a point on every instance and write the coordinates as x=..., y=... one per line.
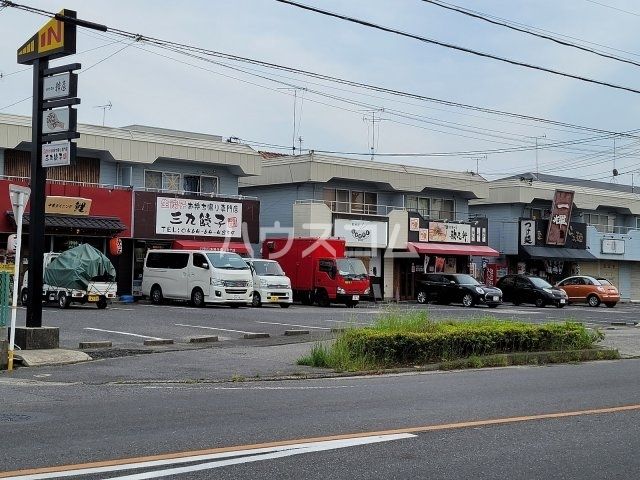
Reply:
x=410, y=338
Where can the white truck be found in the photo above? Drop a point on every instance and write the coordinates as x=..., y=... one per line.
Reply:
x=98, y=292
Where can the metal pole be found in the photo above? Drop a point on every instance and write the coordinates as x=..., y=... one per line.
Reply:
x=36, y=214
x=16, y=278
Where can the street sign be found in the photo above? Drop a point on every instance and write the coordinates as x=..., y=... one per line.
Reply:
x=56, y=154
x=59, y=120
x=15, y=191
x=55, y=39
x=60, y=86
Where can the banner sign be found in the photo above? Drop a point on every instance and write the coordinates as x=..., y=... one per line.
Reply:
x=527, y=232
x=57, y=154
x=560, y=217
x=68, y=205
x=449, y=232
x=55, y=39
x=361, y=233
x=613, y=246
x=203, y=218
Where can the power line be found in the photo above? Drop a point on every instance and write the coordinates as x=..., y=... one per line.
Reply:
x=485, y=18
x=478, y=53
x=613, y=8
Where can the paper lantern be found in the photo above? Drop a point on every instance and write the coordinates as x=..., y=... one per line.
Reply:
x=115, y=246
x=11, y=243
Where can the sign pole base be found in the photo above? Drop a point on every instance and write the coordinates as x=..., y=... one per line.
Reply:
x=10, y=360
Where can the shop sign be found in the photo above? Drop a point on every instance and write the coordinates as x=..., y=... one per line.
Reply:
x=414, y=224
x=423, y=235
x=613, y=246
x=68, y=205
x=560, y=217
x=7, y=268
x=361, y=233
x=450, y=232
x=202, y=218
x=57, y=154
x=527, y=232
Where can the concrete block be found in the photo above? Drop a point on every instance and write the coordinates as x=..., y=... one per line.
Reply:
x=204, y=339
x=250, y=336
x=37, y=338
x=102, y=344
x=154, y=342
x=290, y=333
x=43, y=357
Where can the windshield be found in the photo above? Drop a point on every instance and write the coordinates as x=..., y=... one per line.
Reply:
x=466, y=280
x=540, y=283
x=351, y=268
x=603, y=281
x=227, y=261
x=267, y=269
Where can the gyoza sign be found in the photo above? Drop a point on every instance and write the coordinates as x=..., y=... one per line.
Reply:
x=361, y=233
x=203, y=218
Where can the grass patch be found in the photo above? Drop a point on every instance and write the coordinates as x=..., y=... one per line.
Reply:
x=411, y=338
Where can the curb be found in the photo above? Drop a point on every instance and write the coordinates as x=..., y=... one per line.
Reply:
x=94, y=344
x=251, y=336
x=204, y=339
x=152, y=342
x=290, y=333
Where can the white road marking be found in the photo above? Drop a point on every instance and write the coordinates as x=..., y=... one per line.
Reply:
x=211, y=328
x=221, y=459
x=294, y=325
x=120, y=308
x=122, y=333
x=348, y=322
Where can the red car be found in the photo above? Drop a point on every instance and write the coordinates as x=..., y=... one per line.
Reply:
x=590, y=290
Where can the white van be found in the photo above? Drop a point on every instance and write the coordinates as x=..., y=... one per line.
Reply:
x=270, y=284
x=199, y=276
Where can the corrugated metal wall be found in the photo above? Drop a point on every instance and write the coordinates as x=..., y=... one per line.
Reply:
x=85, y=170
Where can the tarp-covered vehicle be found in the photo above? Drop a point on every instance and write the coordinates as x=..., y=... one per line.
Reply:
x=79, y=275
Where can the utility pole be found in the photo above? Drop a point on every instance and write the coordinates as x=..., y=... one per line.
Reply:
x=295, y=109
x=477, y=159
x=373, y=121
x=537, y=167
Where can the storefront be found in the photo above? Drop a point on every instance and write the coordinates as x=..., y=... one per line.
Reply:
x=366, y=238
x=192, y=222
x=449, y=247
x=552, y=262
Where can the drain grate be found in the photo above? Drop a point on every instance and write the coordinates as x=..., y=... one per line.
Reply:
x=13, y=417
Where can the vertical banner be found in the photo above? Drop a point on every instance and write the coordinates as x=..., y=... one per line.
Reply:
x=560, y=217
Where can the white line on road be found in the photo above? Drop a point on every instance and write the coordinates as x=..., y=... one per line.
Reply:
x=348, y=322
x=222, y=459
x=212, y=328
x=122, y=333
x=294, y=325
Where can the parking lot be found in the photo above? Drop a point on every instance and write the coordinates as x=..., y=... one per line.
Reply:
x=128, y=325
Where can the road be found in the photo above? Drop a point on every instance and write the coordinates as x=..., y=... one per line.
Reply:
x=564, y=421
x=127, y=325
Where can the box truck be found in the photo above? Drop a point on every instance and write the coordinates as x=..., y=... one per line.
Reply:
x=319, y=271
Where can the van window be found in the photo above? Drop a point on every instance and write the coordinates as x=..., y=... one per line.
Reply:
x=199, y=260
x=227, y=261
x=168, y=260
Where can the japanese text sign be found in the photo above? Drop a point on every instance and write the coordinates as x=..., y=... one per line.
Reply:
x=560, y=217
x=202, y=218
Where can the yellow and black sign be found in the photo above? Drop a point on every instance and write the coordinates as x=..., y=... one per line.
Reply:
x=55, y=39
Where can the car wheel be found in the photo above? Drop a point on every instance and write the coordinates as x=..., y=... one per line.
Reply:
x=156, y=295
x=197, y=298
x=610, y=304
x=322, y=297
x=560, y=305
x=63, y=300
x=593, y=301
x=285, y=305
x=256, y=300
x=24, y=297
x=468, y=300
x=540, y=303
x=421, y=297
x=102, y=304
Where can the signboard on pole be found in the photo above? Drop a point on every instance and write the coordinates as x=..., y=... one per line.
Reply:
x=60, y=86
x=560, y=217
x=55, y=39
x=59, y=120
x=56, y=154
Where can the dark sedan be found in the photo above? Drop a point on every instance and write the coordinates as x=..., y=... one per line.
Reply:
x=445, y=288
x=529, y=289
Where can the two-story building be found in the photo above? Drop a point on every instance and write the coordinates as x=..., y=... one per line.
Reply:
x=150, y=187
x=400, y=220
x=603, y=237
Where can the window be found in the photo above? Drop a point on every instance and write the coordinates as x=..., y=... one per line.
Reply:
x=327, y=266
x=152, y=180
x=171, y=181
x=173, y=261
x=350, y=201
x=200, y=261
x=535, y=213
x=604, y=223
x=200, y=184
x=432, y=208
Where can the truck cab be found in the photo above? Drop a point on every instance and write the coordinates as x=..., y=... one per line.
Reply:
x=340, y=280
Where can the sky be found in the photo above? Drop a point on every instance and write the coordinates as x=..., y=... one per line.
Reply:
x=152, y=86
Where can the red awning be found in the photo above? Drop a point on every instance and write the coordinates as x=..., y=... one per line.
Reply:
x=452, y=249
x=235, y=247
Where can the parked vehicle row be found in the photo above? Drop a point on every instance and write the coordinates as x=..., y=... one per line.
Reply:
x=444, y=289
x=302, y=268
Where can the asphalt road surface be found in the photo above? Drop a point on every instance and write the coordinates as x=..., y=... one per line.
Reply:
x=128, y=325
x=563, y=421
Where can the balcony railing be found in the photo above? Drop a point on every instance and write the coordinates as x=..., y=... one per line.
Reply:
x=371, y=209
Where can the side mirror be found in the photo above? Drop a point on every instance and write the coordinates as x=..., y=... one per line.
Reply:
x=451, y=282
x=205, y=266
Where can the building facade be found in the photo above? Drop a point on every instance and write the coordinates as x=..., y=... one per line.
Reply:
x=603, y=238
x=150, y=187
x=400, y=220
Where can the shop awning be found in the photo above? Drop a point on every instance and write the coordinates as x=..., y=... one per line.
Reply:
x=235, y=247
x=445, y=249
x=558, y=253
x=78, y=224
